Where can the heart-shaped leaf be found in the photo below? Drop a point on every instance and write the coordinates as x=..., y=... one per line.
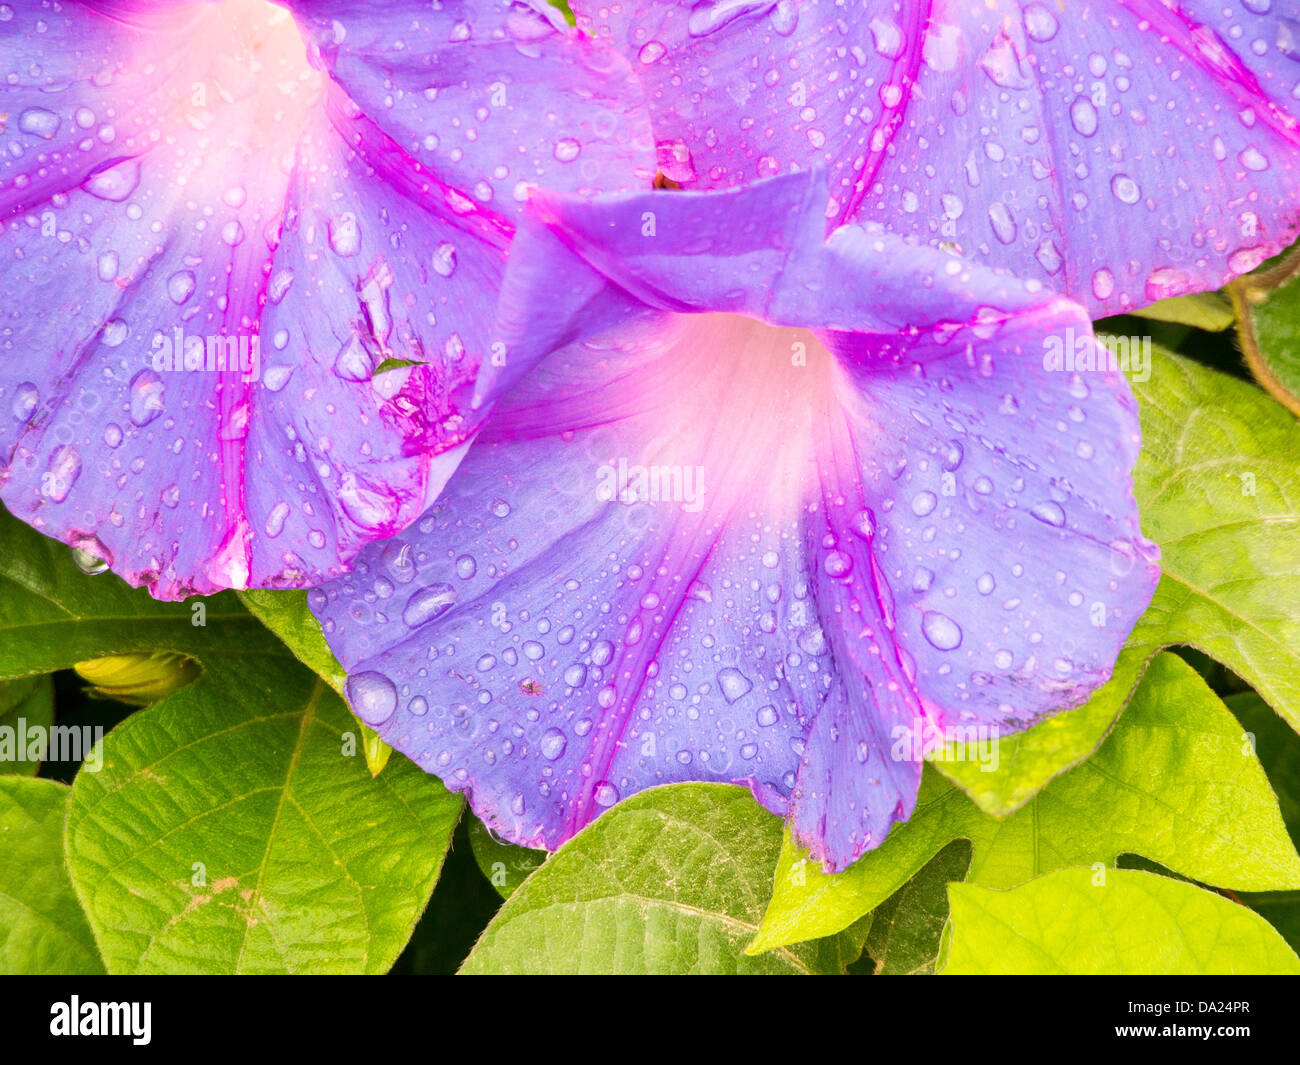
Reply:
x=233, y=826
x=673, y=880
x=1109, y=922
x=42, y=928
x=1175, y=782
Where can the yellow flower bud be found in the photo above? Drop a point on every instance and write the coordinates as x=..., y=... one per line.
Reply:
x=138, y=679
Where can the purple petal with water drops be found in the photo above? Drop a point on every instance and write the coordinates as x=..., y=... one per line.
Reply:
x=1122, y=153
x=181, y=191
x=456, y=87
x=692, y=548
x=759, y=250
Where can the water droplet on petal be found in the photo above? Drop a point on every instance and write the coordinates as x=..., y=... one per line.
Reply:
x=1049, y=513
x=553, y=744
x=444, y=259
x=146, y=397
x=1125, y=189
x=923, y=503
x=180, y=286
x=734, y=684
x=114, y=183
x=942, y=632
x=838, y=564
x=62, y=473
x=373, y=697
x=276, y=519
x=345, y=234
x=39, y=122
x=567, y=149
x=428, y=603
x=90, y=555
x=26, y=398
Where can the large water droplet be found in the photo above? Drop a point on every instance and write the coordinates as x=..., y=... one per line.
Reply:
x=428, y=603
x=887, y=36
x=567, y=149
x=1049, y=513
x=114, y=183
x=1040, y=23
x=354, y=361
x=146, y=397
x=553, y=744
x=1125, y=189
x=276, y=519
x=373, y=697
x=90, y=555
x=1083, y=116
x=709, y=16
x=444, y=259
x=62, y=473
x=180, y=286
x=26, y=398
x=345, y=234
x=1004, y=226
x=39, y=122
x=733, y=683
x=942, y=632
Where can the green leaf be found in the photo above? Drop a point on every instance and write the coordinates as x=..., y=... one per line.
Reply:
x=1279, y=753
x=14, y=693
x=673, y=880
x=1175, y=782
x=52, y=615
x=1078, y=921
x=42, y=928
x=1267, y=304
x=907, y=927
x=505, y=866
x=396, y=364
x=227, y=830
x=30, y=704
x=1278, y=748
x=1203, y=310
x=287, y=614
x=1218, y=487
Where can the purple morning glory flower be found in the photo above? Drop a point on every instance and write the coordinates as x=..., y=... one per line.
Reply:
x=188, y=186
x=759, y=491
x=783, y=509
x=212, y=245
x=1122, y=151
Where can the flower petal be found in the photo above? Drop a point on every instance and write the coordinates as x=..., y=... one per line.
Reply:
x=1123, y=153
x=758, y=250
x=686, y=550
x=179, y=173
x=456, y=86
